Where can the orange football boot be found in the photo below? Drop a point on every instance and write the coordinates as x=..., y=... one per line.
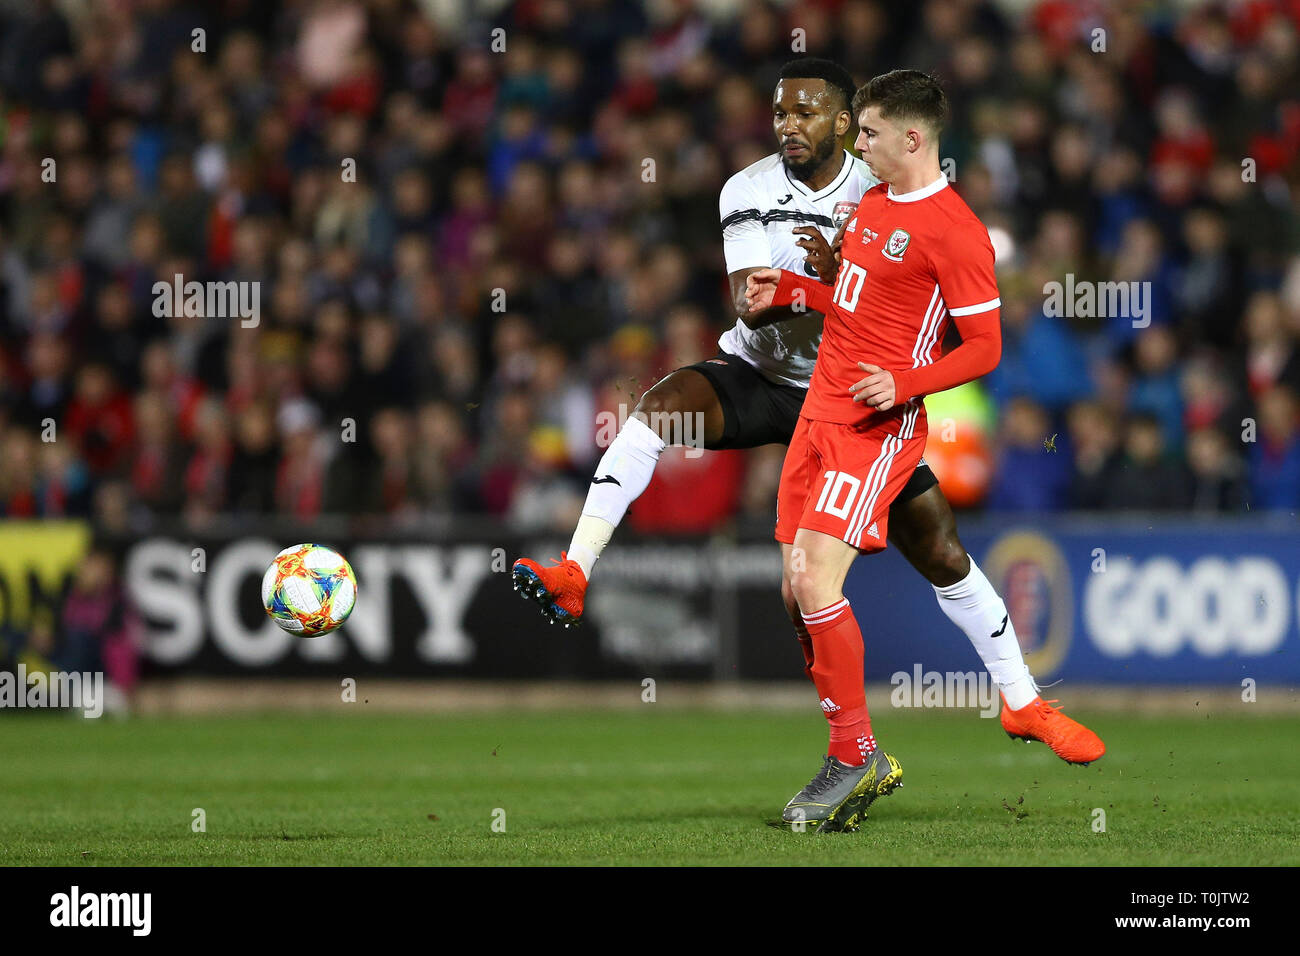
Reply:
x=1039, y=720
x=559, y=590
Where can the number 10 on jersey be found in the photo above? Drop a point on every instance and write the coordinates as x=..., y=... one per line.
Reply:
x=849, y=286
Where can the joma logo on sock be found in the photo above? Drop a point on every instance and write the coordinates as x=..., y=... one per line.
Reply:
x=74, y=908
x=947, y=689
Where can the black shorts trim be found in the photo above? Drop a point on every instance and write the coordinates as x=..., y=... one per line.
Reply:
x=922, y=480
x=755, y=411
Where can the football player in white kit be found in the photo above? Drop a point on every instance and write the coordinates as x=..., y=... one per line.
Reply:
x=785, y=212
x=781, y=212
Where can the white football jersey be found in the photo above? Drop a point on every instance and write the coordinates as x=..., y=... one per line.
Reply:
x=759, y=207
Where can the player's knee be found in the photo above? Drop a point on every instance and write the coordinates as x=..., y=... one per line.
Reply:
x=660, y=407
x=787, y=598
x=809, y=591
x=947, y=561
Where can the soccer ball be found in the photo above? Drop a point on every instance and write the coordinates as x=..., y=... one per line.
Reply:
x=309, y=590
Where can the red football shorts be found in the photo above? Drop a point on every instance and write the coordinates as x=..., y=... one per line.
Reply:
x=841, y=479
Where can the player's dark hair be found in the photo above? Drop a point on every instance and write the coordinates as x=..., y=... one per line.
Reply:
x=905, y=95
x=815, y=68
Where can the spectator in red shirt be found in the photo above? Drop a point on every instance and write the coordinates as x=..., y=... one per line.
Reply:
x=300, y=475
x=181, y=391
x=207, y=473
x=99, y=419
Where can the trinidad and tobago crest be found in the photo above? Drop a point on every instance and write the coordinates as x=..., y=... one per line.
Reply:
x=842, y=212
x=896, y=245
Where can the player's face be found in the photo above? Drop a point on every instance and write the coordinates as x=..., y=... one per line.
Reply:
x=883, y=144
x=808, y=124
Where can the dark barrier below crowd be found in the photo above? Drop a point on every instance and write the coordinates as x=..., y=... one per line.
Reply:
x=1115, y=600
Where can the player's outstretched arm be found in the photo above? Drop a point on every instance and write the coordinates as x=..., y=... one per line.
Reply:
x=760, y=290
x=777, y=288
x=757, y=316
x=748, y=249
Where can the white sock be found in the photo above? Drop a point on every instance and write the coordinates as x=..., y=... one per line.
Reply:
x=630, y=461
x=589, y=539
x=975, y=607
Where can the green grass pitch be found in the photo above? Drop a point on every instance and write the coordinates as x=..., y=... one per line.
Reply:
x=654, y=786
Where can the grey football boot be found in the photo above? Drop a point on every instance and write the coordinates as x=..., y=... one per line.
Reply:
x=837, y=797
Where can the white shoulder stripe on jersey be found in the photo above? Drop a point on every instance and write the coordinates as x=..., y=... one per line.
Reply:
x=976, y=309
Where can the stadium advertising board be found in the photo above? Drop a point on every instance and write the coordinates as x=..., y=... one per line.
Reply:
x=1097, y=602
x=1113, y=602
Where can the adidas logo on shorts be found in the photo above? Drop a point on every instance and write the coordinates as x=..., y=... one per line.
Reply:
x=872, y=532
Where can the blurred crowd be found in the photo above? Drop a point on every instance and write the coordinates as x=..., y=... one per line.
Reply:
x=481, y=231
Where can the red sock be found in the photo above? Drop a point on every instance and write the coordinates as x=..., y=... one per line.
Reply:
x=805, y=645
x=837, y=673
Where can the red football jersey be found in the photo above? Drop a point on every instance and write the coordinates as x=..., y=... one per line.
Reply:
x=909, y=262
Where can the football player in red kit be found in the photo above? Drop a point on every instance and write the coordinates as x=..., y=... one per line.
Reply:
x=913, y=259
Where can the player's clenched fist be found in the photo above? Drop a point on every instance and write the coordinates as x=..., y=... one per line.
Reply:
x=760, y=288
x=877, y=389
